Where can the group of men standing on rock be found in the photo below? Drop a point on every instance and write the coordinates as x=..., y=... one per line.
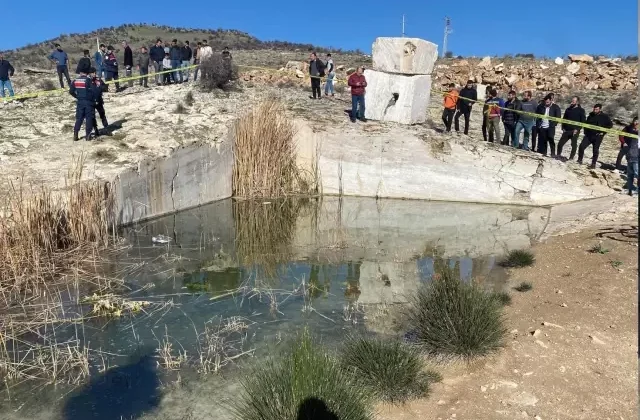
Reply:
x=518, y=115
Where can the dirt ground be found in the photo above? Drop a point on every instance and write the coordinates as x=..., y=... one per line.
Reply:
x=572, y=348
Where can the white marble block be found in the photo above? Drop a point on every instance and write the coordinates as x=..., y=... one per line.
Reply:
x=413, y=97
x=404, y=55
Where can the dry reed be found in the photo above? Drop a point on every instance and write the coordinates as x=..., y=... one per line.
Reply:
x=265, y=154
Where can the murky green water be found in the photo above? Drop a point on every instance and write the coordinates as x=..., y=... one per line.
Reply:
x=242, y=277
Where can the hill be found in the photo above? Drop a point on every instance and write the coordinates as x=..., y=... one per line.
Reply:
x=137, y=35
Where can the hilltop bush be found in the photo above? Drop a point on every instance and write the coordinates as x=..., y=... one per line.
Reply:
x=217, y=73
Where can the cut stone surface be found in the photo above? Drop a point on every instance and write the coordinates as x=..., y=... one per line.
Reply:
x=404, y=55
x=413, y=97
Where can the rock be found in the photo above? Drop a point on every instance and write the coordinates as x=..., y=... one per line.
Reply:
x=413, y=97
x=511, y=79
x=485, y=63
x=461, y=63
x=340, y=67
x=559, y=61
x=543, y=66
x=535, y=333
x=605, y=84
x=350, y=71
x=580, y=58
x=564, y=81
x=480, y=88
x=591, y=86
x=296, y=65
x=299, y=74
x=404, y=55
x=596, y=340
x=499, y=68
x=573, y=68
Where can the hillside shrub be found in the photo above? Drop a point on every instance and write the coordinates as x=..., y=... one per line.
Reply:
x=217, y=73
x=455, y=319
x=519, y=258
x=391, y=370
x=305, y=383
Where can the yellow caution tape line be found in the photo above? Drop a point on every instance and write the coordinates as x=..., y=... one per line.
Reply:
x=550, y=118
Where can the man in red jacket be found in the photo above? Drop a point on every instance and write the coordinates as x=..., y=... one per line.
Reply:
x=357, y=83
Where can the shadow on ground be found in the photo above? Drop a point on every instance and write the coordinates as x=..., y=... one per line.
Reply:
x=124, y=392
x=314, y=409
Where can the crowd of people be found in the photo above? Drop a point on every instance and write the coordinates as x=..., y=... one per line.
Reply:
x=516, y=116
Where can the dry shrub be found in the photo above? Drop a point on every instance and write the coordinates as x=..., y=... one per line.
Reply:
x=265, y=154
x=217, y=73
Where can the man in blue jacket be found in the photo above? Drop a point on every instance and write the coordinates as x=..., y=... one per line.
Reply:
x=83, y=90
x=61, y=60
x=6, y=71
x=98, y=57
x=175, y=55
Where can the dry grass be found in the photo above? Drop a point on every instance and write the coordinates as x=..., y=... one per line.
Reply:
x=265, y=154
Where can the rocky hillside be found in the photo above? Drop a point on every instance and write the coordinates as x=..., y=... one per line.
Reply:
x=576, y=72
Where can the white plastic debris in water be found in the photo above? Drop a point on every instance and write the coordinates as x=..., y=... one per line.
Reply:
x=160, y=239
x=266, y=202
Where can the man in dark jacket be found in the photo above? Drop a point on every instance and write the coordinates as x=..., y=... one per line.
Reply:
x=485, y=107
x=84, y=64
x=128, y=62
x=632, y=155
x=99, y=88
x=61, y=60
x=547, y=127
x=631, y=129
x=569, y=131
x=6, y=71
x=594, y=137
x=316, y=71
x=111, y=67
x=156, y=54
x=143, y=66
x=510, y=117
x=467, y=97
x=358, y=84
x=525, y=122
x=84, y=91
x=186, y=60
x=175, y=55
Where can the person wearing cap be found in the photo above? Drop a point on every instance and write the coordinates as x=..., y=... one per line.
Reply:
x=61, y=59
x=468, y=97
x=83, y=89
x=99, y=88
x=547, y=127
x=570, y=131
x=84, y=64
x=594, y=137
x=450, y=103
x=176, y=61
x=156, y=54
x=111, y=67
x=6, y=71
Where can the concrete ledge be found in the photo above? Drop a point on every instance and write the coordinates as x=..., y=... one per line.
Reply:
x=191, y=176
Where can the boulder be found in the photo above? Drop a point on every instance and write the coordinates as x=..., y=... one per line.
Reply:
x=413, y=97
x=573, y=68
x=580, y=58
x=404, y=55
x=480, y=88
x=485, y=63
x=296, y=65
x=559, y=61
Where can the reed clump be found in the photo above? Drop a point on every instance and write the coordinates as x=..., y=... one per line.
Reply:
x=265, y=154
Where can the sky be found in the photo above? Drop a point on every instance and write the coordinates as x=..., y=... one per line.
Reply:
x=479, y=28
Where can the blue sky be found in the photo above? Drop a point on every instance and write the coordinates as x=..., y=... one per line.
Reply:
x=576, y=27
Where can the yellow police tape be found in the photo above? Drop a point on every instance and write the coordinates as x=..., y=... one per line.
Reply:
x=439, y=92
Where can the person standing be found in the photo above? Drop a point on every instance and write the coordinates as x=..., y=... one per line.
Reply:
x=510, y=117
x=6, y=72
x=546, y=126
x=316, y=71
x=358, y=84
x=468, y=96
x=84, y=64
x=156, y=54
x=525, y=121
x=186, y=60
x=111, y=67
x=569, y=131
x=494, y=112
x=61, y=59
x=331, y=74
x=632, y=155
x=128, y=62
x=98, y=57
x=83, y=90
x=166, y=65
x=631, y=129
x=175, y=55
x=99, y=87
x=143, y=66
x=594, y=137
x=450, y=103
x=485, y=108
x=196, y=60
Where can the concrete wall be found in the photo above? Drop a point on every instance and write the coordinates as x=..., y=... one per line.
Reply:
x=189, y=177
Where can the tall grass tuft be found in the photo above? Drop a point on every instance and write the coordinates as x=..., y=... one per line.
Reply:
x=455, y=319
x=391, y=370
x=519, y=258
x=305, y=379
x=265, y=154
